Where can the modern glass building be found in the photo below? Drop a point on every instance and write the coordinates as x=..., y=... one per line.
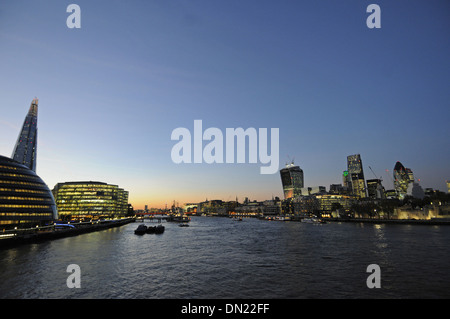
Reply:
x=90, y=200
x=402, y=178
x=26, y=145
x=356, y=173
x=25, y=200
x=292, y=180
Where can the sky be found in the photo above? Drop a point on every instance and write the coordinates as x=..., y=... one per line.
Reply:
x=112, y=92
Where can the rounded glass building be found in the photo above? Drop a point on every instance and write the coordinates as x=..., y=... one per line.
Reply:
x=25, y=200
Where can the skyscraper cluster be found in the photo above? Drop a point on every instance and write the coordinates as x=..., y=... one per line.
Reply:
x=354, y=182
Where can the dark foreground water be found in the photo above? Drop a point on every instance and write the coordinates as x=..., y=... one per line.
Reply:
x=222, y=258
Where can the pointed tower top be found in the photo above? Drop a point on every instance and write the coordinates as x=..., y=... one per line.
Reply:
x=34, y=107
x=26, y=145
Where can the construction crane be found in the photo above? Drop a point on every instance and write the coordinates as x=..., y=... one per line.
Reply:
x=375, y=174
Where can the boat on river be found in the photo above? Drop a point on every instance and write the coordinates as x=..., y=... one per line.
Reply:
x=142, y=229
x=155, y=229
x=313, y=221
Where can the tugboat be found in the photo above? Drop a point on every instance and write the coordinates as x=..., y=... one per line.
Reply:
x=159, y=229
x=155, y=229
x=142, y=229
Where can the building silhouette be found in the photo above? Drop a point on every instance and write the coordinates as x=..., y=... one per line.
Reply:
x=26, y=145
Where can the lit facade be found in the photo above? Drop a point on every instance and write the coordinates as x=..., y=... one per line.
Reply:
x=402, y=178
x=26, y=145
x=327, y=201
x=374, y=189
x=322, y=204
x=90, y=200
x=356, y=175
x=25, y=200
x=292, y=181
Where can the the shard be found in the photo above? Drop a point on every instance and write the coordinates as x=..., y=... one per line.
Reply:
x=26, y=145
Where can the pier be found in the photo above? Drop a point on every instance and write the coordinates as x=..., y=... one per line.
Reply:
x=32, y=235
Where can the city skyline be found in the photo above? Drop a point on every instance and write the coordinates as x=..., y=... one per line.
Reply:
x=111, y=92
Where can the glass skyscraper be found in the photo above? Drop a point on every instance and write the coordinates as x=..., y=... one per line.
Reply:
x=402, y=178
x=356, y=173
x=292, y=180
x=26, y=145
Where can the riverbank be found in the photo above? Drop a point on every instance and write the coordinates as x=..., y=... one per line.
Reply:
x=390, y=221
x=34, y=235
x=433, y=221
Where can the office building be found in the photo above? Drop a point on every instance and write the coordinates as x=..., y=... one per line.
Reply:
x=338, y=189
x=26, y=145
x=356, y=175
x=448, y=186
x=402, y=179
x=410, y=175
x=90, y=200
x=306, y=191
x=347, y=182
x=415, y=190
x=374, y=189
x=25, y=200
x=292, y=180
x=322, y=204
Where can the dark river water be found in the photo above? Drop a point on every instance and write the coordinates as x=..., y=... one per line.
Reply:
x=221, y=258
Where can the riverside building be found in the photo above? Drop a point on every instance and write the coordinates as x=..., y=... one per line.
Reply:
x=25, y=200
x=90, y=200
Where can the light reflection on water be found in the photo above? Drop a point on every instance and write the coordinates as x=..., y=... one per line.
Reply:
x=222, y=258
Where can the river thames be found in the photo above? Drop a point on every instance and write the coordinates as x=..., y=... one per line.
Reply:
x=221, y=258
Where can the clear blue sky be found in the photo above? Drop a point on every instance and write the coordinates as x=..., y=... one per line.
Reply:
x=111, y=93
